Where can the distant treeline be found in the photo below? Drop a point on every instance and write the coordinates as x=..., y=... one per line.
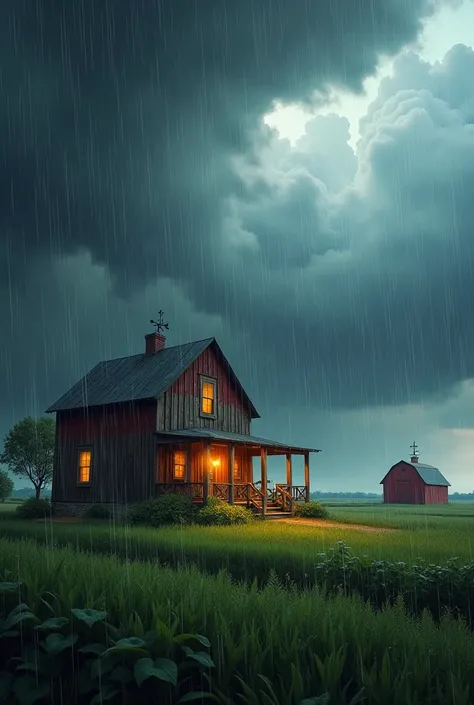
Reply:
x=344, y=495
x=26, y=492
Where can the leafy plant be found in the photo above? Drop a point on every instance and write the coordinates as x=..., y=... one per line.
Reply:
x=97, y=511
x=45, y=656
x=169, y=509
x=218, y=513
x=33, y=508
x=311, y=510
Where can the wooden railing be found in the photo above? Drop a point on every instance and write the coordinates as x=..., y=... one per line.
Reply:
x=284, y=498
x=242, y=492
x=195, y=490
x=220, y=490
x=299, y=493
x=256, y=497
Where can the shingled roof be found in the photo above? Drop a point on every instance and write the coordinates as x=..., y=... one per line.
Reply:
x=139, y=377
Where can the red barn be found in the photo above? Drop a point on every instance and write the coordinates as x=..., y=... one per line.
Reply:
x=168, y=420
x=414, y=483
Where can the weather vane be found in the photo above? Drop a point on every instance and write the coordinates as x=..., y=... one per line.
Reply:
x=159, y=323
x=414, y=448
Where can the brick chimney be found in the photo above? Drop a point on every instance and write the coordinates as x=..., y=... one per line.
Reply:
x=414, y=459
x=154, y=342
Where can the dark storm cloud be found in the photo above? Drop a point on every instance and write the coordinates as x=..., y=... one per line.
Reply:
x=119, y=124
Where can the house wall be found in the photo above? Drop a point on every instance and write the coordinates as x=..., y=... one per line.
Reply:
x=403, y=485
x=179, y=406
x=436, y=494
x=123, y=453
x=164, y=462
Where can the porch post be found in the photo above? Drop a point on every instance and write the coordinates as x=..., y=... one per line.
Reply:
x=230, y=469
x=306, y=474
x=289, y=470
x=207, y=470
x=263, y=467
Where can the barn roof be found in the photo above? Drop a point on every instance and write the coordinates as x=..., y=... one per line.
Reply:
x=139, y=377
x=428, y=473
x=239, y=438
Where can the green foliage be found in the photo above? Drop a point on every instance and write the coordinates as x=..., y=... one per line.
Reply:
x=34, y=509
x=45, y=655
x=219, y=513
x=311, y=510
x=168, y=509
x=271, y=646
x=97, y=511
x=28, y=450
x=6, y=486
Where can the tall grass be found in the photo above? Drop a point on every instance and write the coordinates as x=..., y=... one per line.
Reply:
x=304, y=643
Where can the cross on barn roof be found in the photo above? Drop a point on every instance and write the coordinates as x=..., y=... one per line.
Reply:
x=414, y=448
x=159, y=323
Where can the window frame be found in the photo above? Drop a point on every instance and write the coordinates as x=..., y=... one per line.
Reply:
x=80, y=450
x=237, y=470
x=205, y=379
x=184, y=465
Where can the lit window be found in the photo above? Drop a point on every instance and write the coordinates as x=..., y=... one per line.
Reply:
x=237, y=473
x=179, y=466
x=85, y=461
x=208, y=394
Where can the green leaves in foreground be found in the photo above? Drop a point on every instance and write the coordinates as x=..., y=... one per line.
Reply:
x=42, y=658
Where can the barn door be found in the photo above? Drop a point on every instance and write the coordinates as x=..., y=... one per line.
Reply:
x=404, y=492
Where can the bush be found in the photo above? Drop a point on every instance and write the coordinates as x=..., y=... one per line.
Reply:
x=311, y=510
x=97, y=511
x=169, y=509
x=33, y=508
x=219, y=513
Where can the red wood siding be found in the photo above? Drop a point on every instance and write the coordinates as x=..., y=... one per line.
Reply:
x=403, y=485
x=179, y=406
x=436, y=494
x=122, y=440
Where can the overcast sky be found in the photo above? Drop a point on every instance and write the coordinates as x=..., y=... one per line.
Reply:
x=144, y=164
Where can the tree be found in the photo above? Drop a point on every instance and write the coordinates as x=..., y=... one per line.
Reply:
x=28, y=450
x=6, y=486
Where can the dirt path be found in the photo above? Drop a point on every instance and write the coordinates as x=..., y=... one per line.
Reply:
x=321, y=523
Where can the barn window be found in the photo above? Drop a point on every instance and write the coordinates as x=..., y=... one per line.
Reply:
x=208, y=397
x=179, y=465
x=84, y=466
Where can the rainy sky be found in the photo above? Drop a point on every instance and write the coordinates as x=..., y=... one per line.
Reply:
x=293, y=178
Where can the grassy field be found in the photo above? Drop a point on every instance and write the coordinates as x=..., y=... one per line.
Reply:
x=303, y=642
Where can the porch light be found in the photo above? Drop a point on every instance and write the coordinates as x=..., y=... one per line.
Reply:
x=216, y=462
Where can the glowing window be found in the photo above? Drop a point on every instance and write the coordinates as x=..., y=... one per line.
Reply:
x=179, y=465
x=208, y=394
x=85, y=464
x=237, y=471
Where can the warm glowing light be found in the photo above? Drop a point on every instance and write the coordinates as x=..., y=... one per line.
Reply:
x=216, y=463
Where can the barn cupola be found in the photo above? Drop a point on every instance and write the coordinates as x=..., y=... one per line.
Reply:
x=156, y=341
x=414, y=455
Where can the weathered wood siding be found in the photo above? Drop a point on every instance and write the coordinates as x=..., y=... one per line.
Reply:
x=436, y=494
x=179, y=406
x=403, y=485
x=123, y=453
x=164, y=462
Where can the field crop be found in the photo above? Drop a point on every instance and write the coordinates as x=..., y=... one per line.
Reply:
x=304, y=643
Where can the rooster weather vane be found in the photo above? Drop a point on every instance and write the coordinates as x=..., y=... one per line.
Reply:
x=159, y=323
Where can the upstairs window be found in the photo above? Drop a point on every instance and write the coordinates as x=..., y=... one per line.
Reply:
x=179, y=465
x=84, y=466
x=208, y=397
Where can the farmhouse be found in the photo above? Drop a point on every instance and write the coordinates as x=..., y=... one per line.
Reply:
x=414, y=483
x=169, y=420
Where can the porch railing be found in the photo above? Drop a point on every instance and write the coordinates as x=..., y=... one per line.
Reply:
x=299, y=493
x=195, y=490
x=221, y=490
x=284, y=498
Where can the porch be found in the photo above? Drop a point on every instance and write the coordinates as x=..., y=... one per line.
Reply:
x=202, y=463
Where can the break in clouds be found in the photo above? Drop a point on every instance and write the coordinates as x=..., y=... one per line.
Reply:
x=137, y=174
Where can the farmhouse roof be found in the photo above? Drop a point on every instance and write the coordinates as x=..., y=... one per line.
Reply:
x=428, y=473
x=238, y=438
x=139, y=377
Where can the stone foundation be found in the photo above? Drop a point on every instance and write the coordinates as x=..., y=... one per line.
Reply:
x=77, y=509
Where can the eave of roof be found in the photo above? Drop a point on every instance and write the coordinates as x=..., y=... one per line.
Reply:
x=237, y=438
